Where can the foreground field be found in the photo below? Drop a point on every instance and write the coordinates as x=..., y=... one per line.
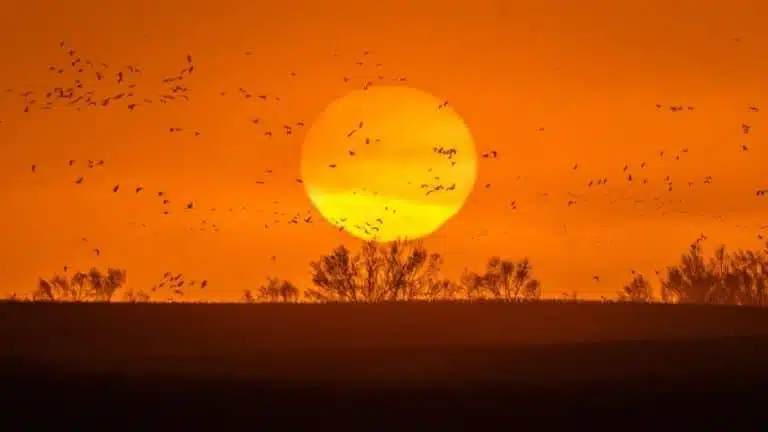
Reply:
x=269, y=340
x=241, y=358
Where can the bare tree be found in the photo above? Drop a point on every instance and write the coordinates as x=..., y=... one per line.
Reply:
x=278, y=291
x=370, y=273
x=104, y=286
x=399, y=270
x=472, y=285
x=637, y=290
x=248, y=297
x=748, y=278
x=531, y=290
x=335, y=277
x=136, y=296
x=444, y=289
x=408, y=269
x=90, y=286
x=502, y=279
x=688, y=282
x=726, y=278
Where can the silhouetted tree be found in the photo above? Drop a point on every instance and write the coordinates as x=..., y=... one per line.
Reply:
x=408, y=270
x=136, y=296
x=248, y=297
x=335, y=276
x=637, y=290
x=91, y=286
x=502, y=279
x=472, y=285
x=400, y=270
x=749, y=277
x=278, y=290
x=444, y=289
x=531, y=290
x=688, y=282
x=737, y=279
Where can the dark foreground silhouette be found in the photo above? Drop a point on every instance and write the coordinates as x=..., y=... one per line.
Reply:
x=384, y=366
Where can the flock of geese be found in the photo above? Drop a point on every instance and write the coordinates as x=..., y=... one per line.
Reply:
x=80, y=92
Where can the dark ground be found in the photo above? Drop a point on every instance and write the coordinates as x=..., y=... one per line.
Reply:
x=383, y=367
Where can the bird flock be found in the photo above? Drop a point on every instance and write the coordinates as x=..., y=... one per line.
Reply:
x=82, y=84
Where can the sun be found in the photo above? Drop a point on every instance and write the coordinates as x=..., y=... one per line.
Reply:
x=388, y=163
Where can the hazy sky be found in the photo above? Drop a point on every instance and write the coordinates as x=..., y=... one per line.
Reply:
x=548, y=84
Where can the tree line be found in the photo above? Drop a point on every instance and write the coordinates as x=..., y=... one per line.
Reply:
x=406, y=271
x=399, y=271
x=729, y=278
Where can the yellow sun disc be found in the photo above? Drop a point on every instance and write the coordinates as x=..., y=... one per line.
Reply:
x=388, y=163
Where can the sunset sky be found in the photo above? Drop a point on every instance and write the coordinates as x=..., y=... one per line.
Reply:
x=547, y=84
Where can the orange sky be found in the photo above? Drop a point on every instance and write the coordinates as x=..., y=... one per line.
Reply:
x=588, y=72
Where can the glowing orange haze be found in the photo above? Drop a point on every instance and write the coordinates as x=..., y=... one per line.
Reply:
x=588, y=72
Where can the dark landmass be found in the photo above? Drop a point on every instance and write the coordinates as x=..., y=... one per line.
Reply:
x=400, y=365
